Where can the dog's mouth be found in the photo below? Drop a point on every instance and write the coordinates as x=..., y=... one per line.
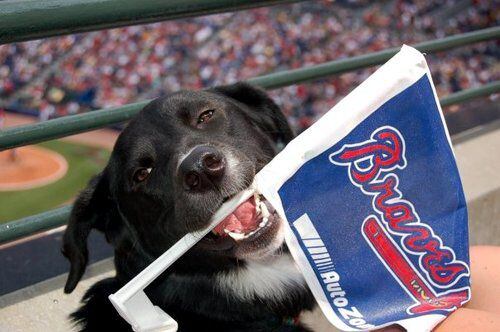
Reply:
x=251, y=230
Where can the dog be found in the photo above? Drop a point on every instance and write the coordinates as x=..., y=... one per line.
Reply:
x=172, y=167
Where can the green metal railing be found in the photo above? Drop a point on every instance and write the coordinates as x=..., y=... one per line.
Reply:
x=464, y=95
x=22, y=20
x=34, y=224
x=25, y=20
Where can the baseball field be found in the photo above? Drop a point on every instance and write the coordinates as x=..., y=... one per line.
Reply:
x=45, y=176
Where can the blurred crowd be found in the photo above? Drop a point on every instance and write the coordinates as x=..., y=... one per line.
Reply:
x=72, y=74
x=20, y=63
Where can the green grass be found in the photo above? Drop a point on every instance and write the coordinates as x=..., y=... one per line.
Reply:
x=83, y=162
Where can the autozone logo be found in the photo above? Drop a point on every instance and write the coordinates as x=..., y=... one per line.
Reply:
x=329, y=276
x=372, y=166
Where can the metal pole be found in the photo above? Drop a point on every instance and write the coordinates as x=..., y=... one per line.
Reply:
x=22, y=20
x=34, y=224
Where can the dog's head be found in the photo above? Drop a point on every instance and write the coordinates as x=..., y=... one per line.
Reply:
x=172, y=168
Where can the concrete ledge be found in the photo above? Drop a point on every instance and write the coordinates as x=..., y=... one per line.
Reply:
x=478, y=160
x=44, y=307
x=484, y=222
x=93, y=272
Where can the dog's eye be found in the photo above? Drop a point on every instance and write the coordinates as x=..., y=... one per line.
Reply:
x=205, y=116
x=142, y=174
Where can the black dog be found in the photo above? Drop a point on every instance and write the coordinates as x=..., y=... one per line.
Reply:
x=171, y=169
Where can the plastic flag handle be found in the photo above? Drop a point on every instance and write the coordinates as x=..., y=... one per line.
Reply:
x=132, y=303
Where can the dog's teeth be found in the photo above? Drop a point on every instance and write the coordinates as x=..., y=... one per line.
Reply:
x=236, y=236
x=226, y=231
x=256, y=197
x=265, y=211
x=263, y=222
x=257, y=203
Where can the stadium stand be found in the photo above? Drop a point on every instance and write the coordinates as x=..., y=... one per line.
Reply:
x=72, y=74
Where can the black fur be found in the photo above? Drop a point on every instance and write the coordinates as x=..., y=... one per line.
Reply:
x=143, y=219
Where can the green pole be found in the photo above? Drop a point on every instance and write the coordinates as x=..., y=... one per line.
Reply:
x=33, y=224
x=22, y=20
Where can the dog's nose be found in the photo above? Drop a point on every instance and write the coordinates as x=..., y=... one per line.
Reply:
x=203, y=168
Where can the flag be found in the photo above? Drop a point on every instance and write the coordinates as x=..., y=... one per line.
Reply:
x=375, y=213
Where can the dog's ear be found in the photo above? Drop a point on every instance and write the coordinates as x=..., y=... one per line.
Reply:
x=267, y=115
x=90, y=210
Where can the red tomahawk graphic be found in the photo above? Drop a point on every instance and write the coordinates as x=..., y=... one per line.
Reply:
x=426, y=298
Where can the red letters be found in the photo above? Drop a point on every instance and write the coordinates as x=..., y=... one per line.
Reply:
x=383, y=152
x=367, y=162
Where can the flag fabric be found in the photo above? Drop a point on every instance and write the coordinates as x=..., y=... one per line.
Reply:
x=375, y=214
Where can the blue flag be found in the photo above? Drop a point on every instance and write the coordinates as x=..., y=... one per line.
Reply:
x=375, y=211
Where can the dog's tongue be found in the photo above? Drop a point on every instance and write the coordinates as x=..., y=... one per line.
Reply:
x=242, y=220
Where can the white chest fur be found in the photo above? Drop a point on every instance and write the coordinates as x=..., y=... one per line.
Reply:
x=271, y=279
